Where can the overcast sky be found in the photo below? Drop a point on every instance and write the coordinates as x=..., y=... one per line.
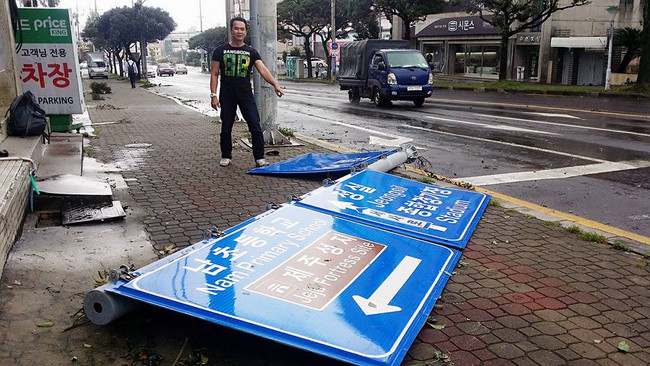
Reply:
x=184, y=12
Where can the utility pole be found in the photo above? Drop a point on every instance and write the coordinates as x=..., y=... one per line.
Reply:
x=201, y=15
x=264, y=35
x=333, y=30
x=255, y=40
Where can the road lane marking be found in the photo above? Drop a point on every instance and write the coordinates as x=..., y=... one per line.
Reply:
x=507, y=144
x=495, y=127
x=391, y=137
x=399, y=141
x=564, y=125
x=560, y=115
x=559, y=173
x=548, y=211
x=499, y=104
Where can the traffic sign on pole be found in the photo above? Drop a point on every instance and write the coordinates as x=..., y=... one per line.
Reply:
x=442, y=215
x=309, y=280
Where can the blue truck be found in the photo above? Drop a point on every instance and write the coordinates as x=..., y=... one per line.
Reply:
x=384, y=71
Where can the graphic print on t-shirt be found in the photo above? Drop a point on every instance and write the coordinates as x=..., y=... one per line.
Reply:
x=236, y=63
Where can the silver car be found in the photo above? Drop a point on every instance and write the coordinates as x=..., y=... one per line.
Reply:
x=180, y=69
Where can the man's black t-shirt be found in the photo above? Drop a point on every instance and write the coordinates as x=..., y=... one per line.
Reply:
x=235, y=64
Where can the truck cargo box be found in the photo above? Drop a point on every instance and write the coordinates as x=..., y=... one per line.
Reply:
x=355, y=56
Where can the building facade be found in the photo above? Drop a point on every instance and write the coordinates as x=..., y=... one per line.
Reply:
x=569, y=48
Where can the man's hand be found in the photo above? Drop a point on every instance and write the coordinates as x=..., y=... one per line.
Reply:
x=278, y=90
x=214, y=101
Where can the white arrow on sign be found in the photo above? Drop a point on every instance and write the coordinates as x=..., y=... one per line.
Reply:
x=421, y=224
x=378, y=302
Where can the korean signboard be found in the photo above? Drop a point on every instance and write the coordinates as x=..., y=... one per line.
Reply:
x=529, y=38
x=47, y=63
x=310, y=280
x=458, y=26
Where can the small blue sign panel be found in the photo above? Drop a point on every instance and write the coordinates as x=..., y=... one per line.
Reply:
x=309, y=280
x=316, y=163
x=442, y=215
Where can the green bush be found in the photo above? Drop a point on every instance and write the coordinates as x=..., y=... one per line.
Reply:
x=100, y=88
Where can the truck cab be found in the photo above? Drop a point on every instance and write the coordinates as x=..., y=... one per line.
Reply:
x=384, y=71
x=399, y=75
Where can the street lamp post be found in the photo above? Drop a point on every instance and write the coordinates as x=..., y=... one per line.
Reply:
x=612, y=10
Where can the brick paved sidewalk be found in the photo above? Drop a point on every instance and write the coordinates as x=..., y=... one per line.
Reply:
x=526, y=293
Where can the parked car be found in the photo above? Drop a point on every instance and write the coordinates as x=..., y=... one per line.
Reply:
x=97, y=69
x=180, y=69
x=151, y=74
x=315, y=62
x=165, y=69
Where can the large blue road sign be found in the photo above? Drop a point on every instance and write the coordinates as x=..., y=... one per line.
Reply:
x=442, y=215
x=309, y=280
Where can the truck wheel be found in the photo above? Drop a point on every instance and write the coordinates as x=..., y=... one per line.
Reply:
x=378, y=99
x=353, y=97
x=418, y=102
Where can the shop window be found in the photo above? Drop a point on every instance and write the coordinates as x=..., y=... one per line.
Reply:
x=459, y=58
x=435, y=56
x=476, y=60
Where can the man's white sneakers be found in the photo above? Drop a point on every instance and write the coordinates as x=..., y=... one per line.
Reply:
x=258, y=162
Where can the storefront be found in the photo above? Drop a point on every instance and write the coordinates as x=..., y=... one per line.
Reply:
x=526, y=56
x=461, y=45
x=579, y=60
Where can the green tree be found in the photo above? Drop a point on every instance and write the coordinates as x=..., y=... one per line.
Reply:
x=309, y=18
x=629, y=38
x=302, y=18
x=193, y=58
x=363, y=19
x=409, y=11
x=513, y=17
x=348, y=14
x=105, y=32
x=118, y=29
x=644, y=62
x=208, y=40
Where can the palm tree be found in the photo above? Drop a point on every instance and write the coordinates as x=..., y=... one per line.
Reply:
x=629, y=38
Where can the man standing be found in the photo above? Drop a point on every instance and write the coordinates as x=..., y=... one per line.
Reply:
x=132, y=69
x=233, y=62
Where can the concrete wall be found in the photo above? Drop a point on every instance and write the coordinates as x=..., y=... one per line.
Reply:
x=14, y=187
x=12, y=209
x=8, y=86
x=593, y=20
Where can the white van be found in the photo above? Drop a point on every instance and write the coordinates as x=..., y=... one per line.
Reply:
x=97, y=69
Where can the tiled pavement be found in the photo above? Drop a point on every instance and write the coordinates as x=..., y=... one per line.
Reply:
x=525, y=292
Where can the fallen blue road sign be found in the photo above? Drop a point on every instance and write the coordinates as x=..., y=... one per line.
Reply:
x=309, y=280
x=315, y=163
x=442, y=215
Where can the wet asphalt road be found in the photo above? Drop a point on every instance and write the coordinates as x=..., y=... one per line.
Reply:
x=582, y=155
